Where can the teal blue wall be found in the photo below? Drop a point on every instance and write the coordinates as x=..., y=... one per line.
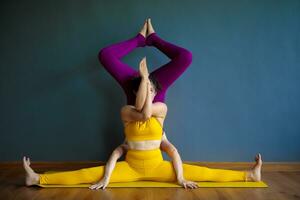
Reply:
x=240, y=96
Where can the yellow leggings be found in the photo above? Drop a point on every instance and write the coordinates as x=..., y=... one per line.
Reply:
x=142, y=165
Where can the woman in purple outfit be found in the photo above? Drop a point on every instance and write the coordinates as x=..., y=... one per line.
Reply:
x=110, y=58
x=161, y=79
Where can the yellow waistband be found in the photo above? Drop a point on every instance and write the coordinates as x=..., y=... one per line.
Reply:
x=144, y=154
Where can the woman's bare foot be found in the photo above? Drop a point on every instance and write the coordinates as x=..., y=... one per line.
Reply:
x=255, y=173
x=144, y=29
x=32, y=178
x=150, y=27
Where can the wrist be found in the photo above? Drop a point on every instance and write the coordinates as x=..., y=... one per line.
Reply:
x=106, y=176
x=145, y=77
x=180, y=179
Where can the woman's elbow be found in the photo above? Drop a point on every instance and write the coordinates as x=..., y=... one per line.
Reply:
x=118, y=152
x=146, y=115
x=138, y=108
x=173, y=151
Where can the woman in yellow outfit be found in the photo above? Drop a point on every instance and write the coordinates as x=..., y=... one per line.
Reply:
x=143, y=127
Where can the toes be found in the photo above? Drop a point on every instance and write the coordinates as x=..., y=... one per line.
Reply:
x=149, y=21
x=28, y=161
x=25, y=161
x=145, y=25
x=258, y=158
x=258, y=155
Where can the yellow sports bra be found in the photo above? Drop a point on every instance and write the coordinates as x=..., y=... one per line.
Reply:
x=143, y=130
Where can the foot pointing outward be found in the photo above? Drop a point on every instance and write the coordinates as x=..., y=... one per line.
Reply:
x=144, y=29
x=31, y=178
x=150, y=27
x=255, y=173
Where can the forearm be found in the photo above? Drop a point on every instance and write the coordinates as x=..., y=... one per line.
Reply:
x=141, y=94
x=177, y=164
x=110, y=165
x=147, y=109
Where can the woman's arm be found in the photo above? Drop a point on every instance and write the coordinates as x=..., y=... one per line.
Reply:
x=116, y=154
x=172, y=152
x=158, y=109
x=142, y=91
x=110, y=165
x=141, y=95
x=147, y=109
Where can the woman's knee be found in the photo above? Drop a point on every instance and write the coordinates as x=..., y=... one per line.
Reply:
x=185, y=57
x=104, y=55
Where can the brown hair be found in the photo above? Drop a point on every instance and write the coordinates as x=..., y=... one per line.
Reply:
x=135, y=83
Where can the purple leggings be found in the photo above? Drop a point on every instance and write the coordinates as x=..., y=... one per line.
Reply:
x=110, y=58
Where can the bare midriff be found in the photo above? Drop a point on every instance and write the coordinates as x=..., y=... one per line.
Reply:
x=144, y=145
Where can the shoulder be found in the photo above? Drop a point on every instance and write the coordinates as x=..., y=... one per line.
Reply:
x=159, y=109
x=129, y=113
x=161, y=105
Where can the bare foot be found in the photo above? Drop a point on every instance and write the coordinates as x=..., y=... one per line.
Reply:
x=32, y=178
x=144, y=29
x=255, y=173
x=150, y=27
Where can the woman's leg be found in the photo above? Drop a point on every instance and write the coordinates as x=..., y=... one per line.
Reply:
x=121, y=173
x=166, y=172
x=200, y=173
x=180, y=57
x=110, y=58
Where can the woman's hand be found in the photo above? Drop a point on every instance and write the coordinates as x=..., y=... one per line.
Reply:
x=143, y=68
x=187, y=184
x=101, y=184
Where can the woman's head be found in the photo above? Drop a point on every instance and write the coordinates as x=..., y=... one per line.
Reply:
x=155, y=87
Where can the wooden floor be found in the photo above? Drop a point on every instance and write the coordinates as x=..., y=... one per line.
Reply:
x=283, y=180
